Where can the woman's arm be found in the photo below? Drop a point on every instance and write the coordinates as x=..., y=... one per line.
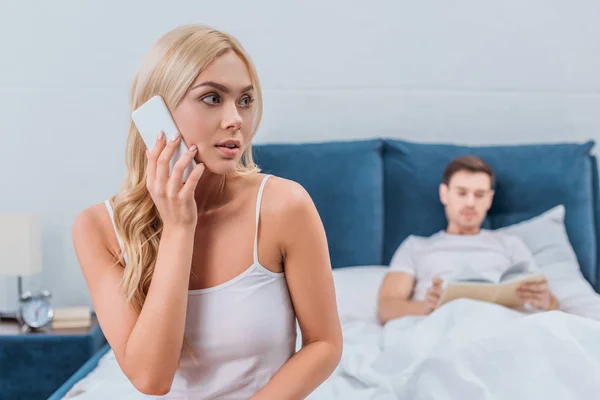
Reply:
x=147, y=347
x=310, y=282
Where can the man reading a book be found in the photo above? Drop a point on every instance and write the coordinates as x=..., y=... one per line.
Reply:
x=419, y=267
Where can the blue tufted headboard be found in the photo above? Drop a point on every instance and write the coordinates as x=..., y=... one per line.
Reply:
x=372, y=194
x=531, y=179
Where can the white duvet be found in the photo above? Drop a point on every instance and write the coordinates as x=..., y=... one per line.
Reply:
x=469, y=350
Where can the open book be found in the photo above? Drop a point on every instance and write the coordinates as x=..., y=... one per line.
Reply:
x=503, y=292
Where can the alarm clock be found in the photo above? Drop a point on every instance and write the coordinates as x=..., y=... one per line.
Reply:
x=35, y=311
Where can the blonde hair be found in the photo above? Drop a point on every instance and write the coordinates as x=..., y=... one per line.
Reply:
x=168, y=70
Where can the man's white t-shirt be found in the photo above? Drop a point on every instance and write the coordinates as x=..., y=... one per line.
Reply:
x=486, y=255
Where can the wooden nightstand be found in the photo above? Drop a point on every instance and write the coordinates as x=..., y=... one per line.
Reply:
x=34, y=364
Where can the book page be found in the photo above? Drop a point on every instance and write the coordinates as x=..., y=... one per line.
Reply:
x=499, y=293
x=507, y=291
x=468, y=290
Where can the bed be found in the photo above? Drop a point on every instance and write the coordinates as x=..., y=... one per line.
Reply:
x=377, y=192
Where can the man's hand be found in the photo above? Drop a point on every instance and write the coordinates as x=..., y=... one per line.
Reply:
x=432, y=297
x=537, y=295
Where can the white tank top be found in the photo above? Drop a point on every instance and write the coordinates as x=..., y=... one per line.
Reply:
x=241, y=332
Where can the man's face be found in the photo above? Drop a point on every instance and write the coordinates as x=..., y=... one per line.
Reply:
x=467, y=199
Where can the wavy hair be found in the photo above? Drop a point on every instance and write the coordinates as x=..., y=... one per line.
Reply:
x=168, y=70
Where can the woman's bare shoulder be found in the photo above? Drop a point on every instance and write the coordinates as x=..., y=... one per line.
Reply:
x=90, y=219
x=284, y=196
x=93, y=227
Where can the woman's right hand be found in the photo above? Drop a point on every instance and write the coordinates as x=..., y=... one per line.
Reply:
x=174, y=200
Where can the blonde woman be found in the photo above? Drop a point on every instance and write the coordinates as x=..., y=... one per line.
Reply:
x=197, y=286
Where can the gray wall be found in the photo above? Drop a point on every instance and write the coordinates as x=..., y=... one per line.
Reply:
x=466, y=71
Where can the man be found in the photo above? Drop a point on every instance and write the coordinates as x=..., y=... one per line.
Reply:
x=413, y=285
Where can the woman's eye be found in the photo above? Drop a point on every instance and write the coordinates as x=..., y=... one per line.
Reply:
x=246, y=101
x=211, y=99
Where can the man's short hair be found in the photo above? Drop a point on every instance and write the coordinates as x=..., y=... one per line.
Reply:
x=468, y=163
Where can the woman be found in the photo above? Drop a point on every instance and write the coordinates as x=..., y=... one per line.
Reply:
x=197, y=286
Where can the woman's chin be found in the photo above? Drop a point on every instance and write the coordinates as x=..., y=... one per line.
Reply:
x=221, y=167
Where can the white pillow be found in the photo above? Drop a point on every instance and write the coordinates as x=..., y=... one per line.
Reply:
x=546, y=236
x=357, y=290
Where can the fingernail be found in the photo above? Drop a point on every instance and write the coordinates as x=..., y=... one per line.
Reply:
x=161, y=135
x=176, y=137
x=193, y=148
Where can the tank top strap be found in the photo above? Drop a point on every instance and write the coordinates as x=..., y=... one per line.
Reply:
x=112, y=218
x=258, y=201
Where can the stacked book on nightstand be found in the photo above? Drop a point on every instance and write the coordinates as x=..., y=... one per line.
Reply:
x=72, y=317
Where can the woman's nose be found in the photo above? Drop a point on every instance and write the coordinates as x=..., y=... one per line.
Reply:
x=232, y=120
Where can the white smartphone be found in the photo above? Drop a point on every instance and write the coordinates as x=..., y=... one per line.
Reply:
x=152, y=117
